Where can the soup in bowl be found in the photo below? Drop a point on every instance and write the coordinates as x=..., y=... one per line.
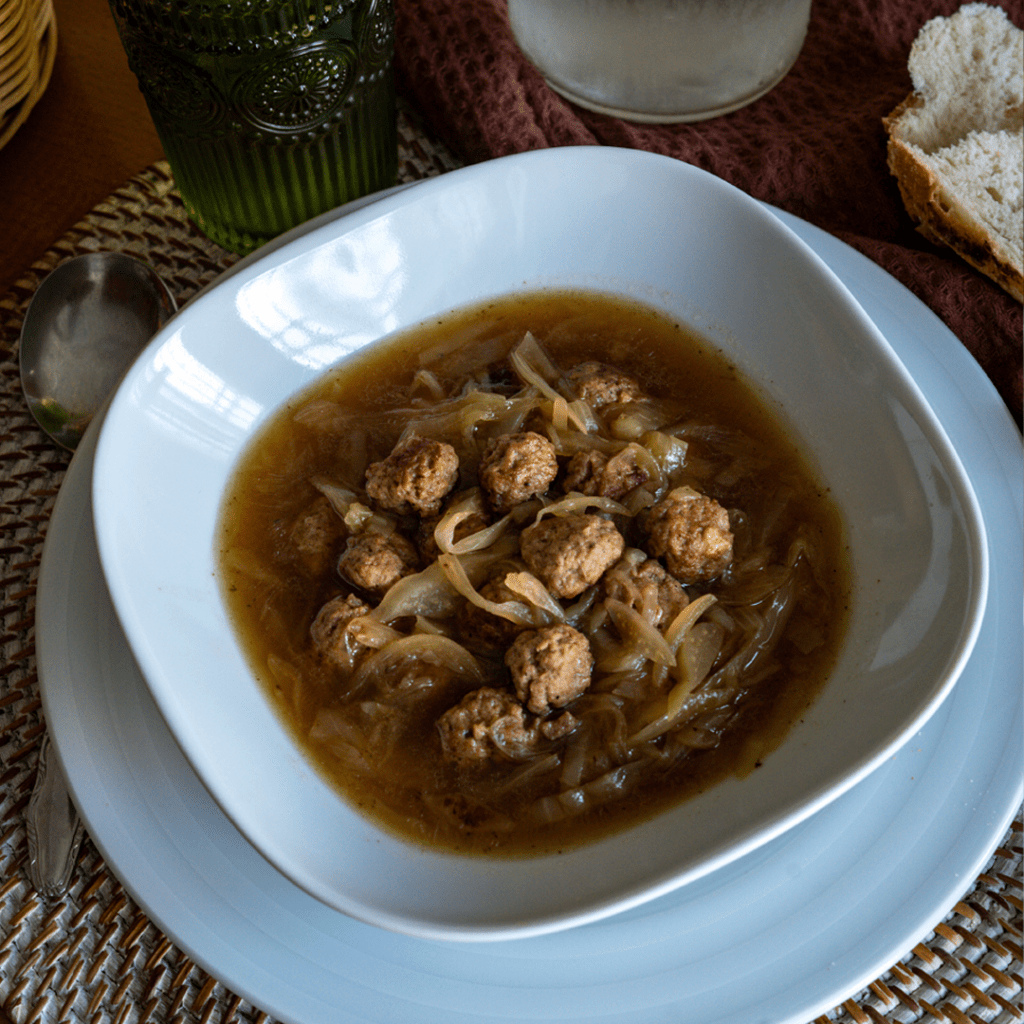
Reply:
x=527, y=543
x=529, y=574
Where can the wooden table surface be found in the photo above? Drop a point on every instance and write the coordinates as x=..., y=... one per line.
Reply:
x=89, y=132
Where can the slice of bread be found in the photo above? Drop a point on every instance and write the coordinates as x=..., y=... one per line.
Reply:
x=956, y=143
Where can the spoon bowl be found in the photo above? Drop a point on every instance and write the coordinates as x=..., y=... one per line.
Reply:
x=85, y=325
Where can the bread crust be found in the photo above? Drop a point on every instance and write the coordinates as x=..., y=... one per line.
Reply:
x=966, y=75
x=939, y=217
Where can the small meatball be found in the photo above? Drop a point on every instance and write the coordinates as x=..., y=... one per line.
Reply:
x=375, y=561
x=515, y=468
x=490, y=723
x=593, y=473
x=644, y=584
x=330, y=631
x=599, y=385
x=691, y=532
x=549, y=666
x=478, y=624
x=414, y=478
x=315, y=537
x=570, y=553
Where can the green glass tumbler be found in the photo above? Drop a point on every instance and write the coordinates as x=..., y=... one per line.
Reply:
x=270, y=111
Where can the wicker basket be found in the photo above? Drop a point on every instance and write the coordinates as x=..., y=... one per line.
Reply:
x=28, y=45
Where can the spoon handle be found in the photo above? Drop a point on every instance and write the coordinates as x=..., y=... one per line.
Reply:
x=54, y=828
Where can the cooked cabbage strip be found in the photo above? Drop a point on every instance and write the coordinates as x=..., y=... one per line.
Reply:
x=423, y=593
x=634, y=420
x=676, y=632
x=575, y=759
x=697, y=654
x=560, y=413
x=638, y=499
x=323, y=416
x=242, y=560
x=444, y=532
x=456, y=417
x=429, y=647
x=522, y=358
x=610, y=786
x=685, y=707
x=530, y=351
x=582, y=411
x=519, y=408
x=645, y=460
x=357, y=517
x=524, y=773
x=704, y=731
x=638, y=634
x=762, y=639
x=428, y=379
x=724, y=682
x=575, y=613
x=371, y=633
x=430, y=593
x=425, y=625
x=687, y=664
x=454, y=572
x=666, y=451
x=574, y=503
x=527, y=586
x=343, y=737
x=568, y=442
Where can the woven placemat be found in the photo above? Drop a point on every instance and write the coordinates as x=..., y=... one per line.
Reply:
x=94, y=956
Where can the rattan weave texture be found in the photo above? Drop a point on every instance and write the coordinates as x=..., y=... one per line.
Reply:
x=94, y=957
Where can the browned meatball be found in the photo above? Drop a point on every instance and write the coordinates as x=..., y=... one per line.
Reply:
x=643, y=583
x=691, y=532
x=330, y=631
x=593, y=473
x=549, y=666
x=490, y=723
x=515, y=468
x=414, y=478
x=570, y=553
x=375, y=561
x=478, y=624
x=599, y=384
x=315, y=537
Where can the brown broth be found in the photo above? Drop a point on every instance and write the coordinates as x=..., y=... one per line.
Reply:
x=272, y=608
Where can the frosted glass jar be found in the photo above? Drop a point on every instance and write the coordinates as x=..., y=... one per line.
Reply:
x=661, y=60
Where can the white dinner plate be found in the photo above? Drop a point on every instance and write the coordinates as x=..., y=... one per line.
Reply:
x=780, y=935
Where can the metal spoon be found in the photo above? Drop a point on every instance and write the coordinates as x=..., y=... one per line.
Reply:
x=84, y=327
x=86, y=323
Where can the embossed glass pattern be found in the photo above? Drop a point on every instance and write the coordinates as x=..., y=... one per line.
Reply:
x=269, y=111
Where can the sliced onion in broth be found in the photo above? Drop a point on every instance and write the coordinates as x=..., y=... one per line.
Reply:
x=432, y=648
x=454, y=572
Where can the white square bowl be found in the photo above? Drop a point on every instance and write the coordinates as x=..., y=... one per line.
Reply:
x=620, y=221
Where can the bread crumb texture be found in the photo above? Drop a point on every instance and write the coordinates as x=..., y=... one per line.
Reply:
x=956, y=143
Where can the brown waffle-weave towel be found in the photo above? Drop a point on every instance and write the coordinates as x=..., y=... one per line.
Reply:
x=813, y=146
